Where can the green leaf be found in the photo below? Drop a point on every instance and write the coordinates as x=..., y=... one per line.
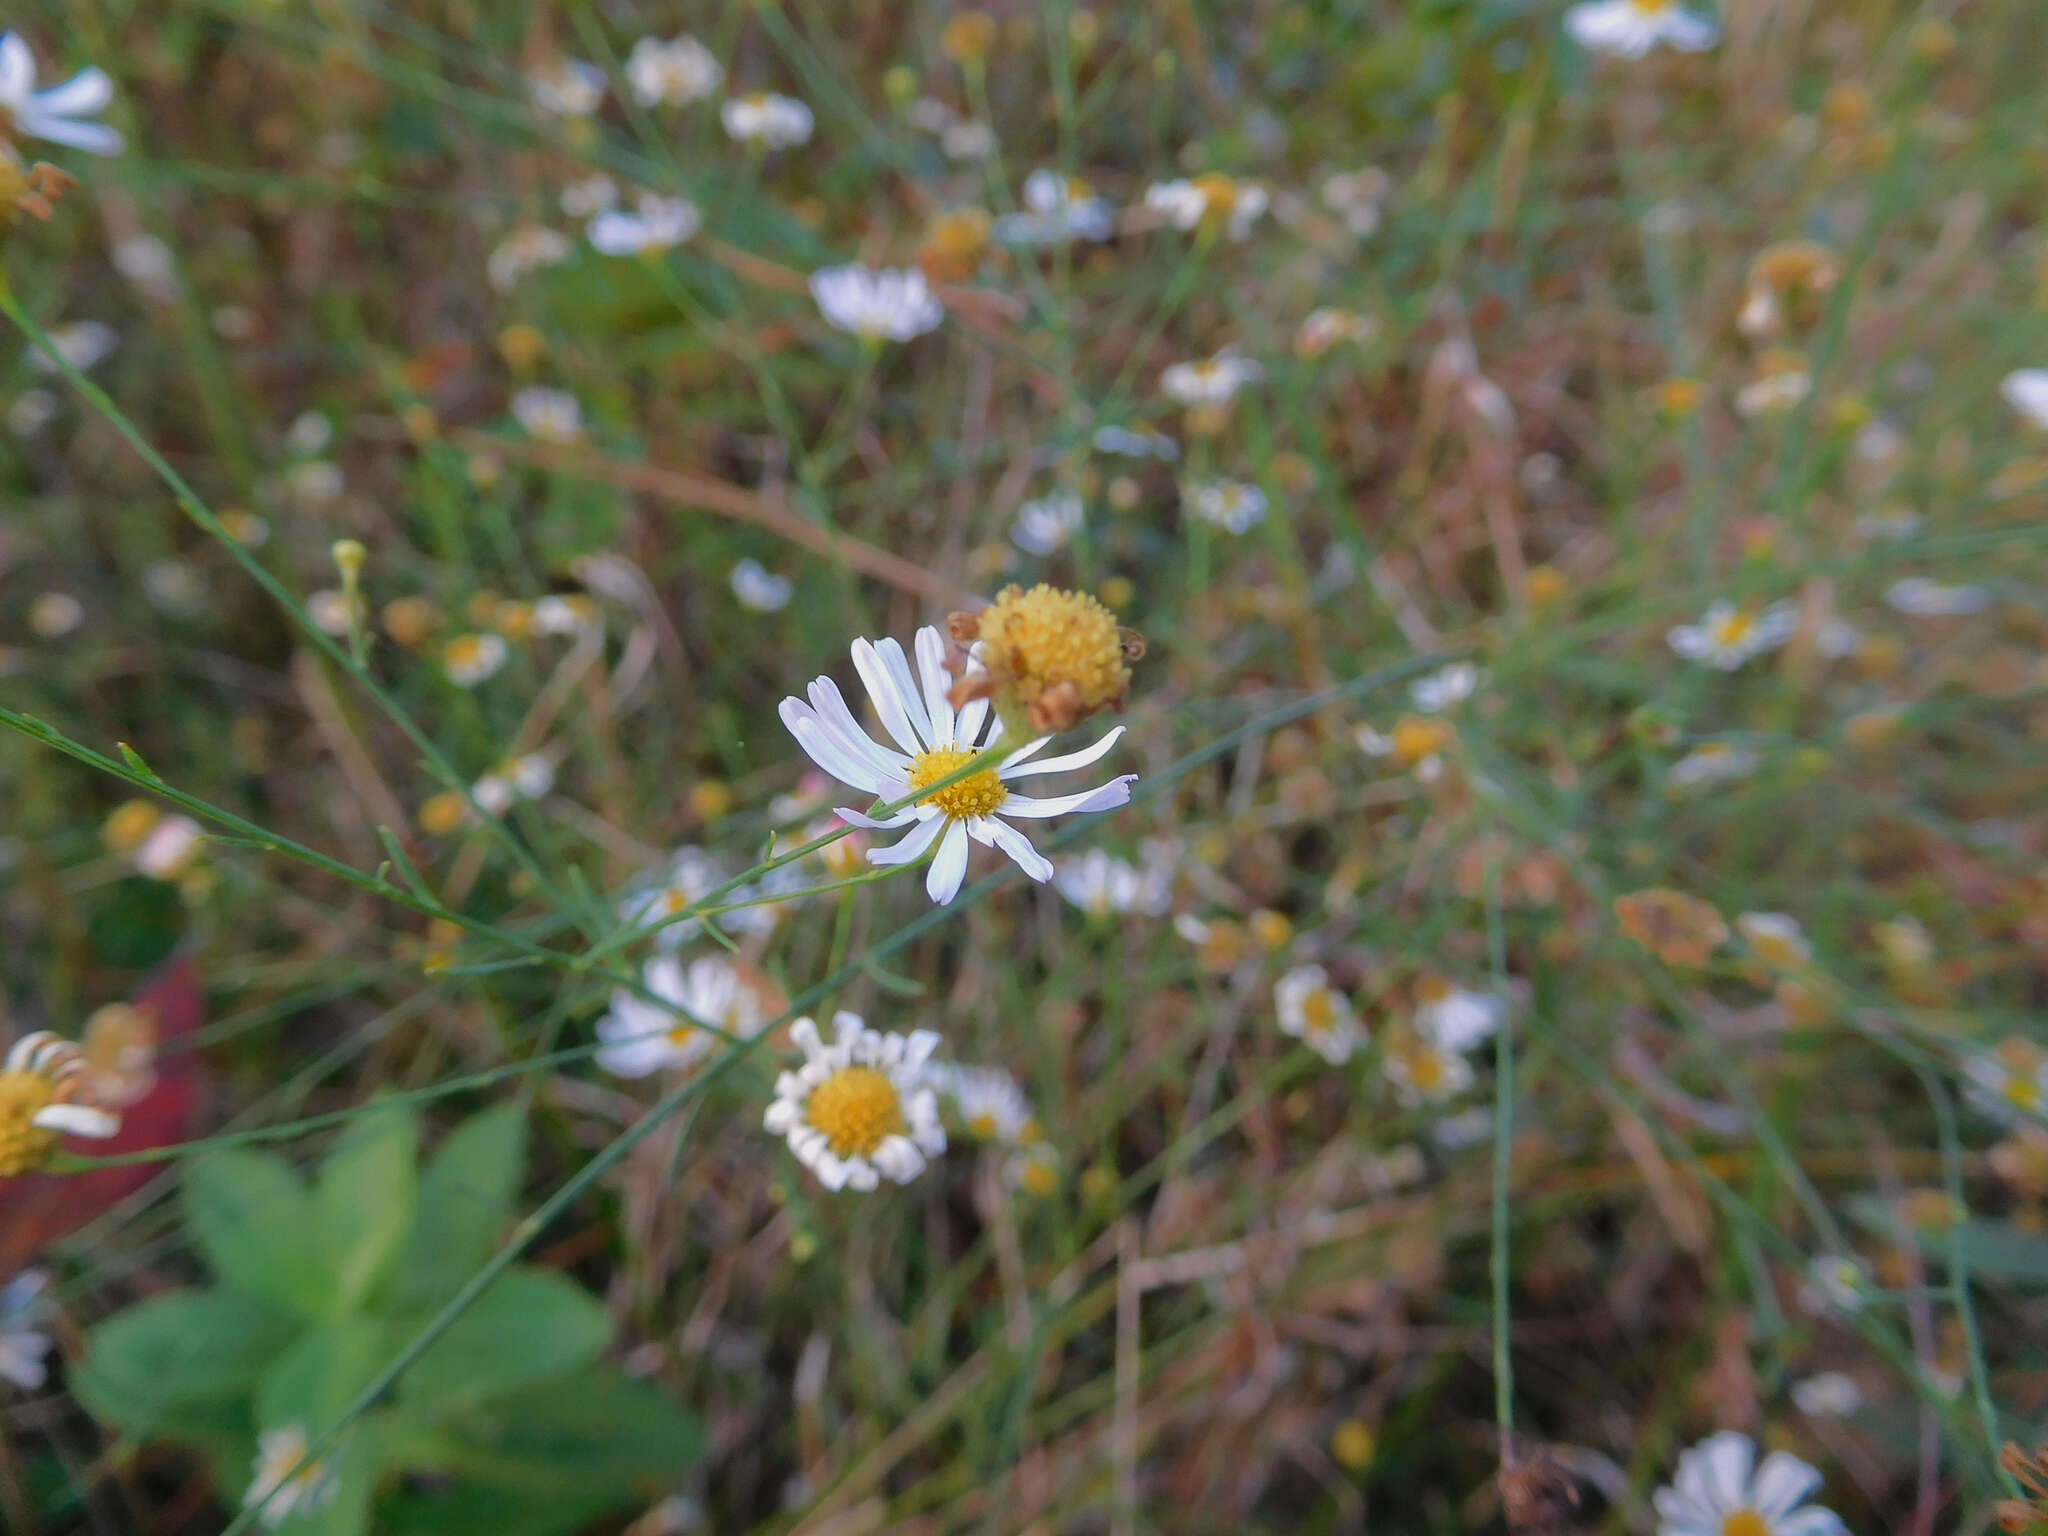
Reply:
x=145, y=1365
x=253, y=1220
x=465, y=1204
x=532, y=1323
x=312, y=1383
x=349, y=1471
x=364, y=1203
x=135, y=922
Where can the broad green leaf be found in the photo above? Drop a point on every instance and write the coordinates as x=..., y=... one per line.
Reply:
x=253, y=1220
x=145, y=1367
x=532, y=1323
x=465, y=1204
x=314, y=1381
x=364, y=1202
x=484, y=1509
x=346, y=1475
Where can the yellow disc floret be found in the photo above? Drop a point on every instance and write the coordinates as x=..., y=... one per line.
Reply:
x=24, y=1145
x=858, y=1109
x=979, y=794
x=1745, y=1522
x=1051, y=657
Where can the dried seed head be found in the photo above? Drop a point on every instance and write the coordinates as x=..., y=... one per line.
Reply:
x=1048, y=658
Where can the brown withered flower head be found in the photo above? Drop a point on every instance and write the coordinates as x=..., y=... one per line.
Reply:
x=1678, y=929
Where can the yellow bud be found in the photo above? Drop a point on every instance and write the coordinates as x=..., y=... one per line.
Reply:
x=349, y=556
x=967, y=38
x=1353, y=1444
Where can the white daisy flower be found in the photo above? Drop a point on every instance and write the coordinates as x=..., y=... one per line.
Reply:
x=1455, y=1018
x=527, y=249
x=31, y=411
x=1034, y=1169
x=548, y=415
x=1317, y=1014
x=1447, y=686
x=2009, y=1082
x=774, y=122
x=1136, y=445
x=286, y=1483
x=566, y=613
x=1212, y=381
x=1046, y=524
x=168, y=851
x=53, y=615
x=691, y=875
x=1232, y=505
x=1325, y=328
x=1728, y=636
x=40, y=1076
x=1720, y=1491
x=1713, y=762
x=641, y=1036
x=1629, y=29
x=1183, y=203
x=1891, y=524
x=1056, y=208
x=935, y=740
x=309, y=433
x=1836, y=1284
x=588, y=196
x=471, y=659
x=148, y=263
x=1829, y=1395
x=859, y=1110
x=566, y=88
x=1775, y=938
x=2026, y=391
x=1467, y=1128
x=63, y=113
x=672, y=73
x=1774, y=391
x=1356, y=197
x=1920, y=598
x=1100, y=884
x=656, y=224
x=1424, y=1072
x=759, y=588
x=22, y=1347
x=988, y=1103
x=519, y=778
x=84, y=344
x=967, y=140
x=876, y=304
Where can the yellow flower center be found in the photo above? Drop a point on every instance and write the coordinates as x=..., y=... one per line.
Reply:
x=1657, y=8
x=2022, y=1091
x=1735, y=628
x=1049, y=642
x=24, y=1146
x=858, y=1109
x=1319, y=1011
x=1426, y=1070
x=1744, y=1522
x=1219, y=192
x=982, y=1127
x=976, y=795
x=1039, y=1178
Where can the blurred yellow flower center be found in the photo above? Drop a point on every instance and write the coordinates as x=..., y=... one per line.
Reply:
x=2022, y=1091
x=1044, y=640
x=1039, y=1178
x=1319, y=1011
x=1744, y=1522
x=982, y=1126
x=976, y=795
x=24, y=1146
x=1426, y=1070
x=1734, y=629
x=1654, y=8
x=858, y=1109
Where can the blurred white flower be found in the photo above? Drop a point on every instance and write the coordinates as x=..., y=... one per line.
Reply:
x=588, y=196
x=1136, y=445
x=287, y=1485
x=1055, y=209
x=934, y=741
x=1357, y=197
x=169, y=849
x=1829, y=1395
x=858, y=1110
x=1455, y=1018
x=566, y=87
x=656, y=224
x=1720, y=1491
x=886, y=304
x=988, y=1102
x=527, y=249
x=1837, y=1285
x=1232, y=505
x=1728, y=636
x=1317, y=1014
x=641, y=1035
x=566, y=614
x=1212, y=381
x=773, y=122
x=1893, y=523
x=148, y=263
x=1712, y=762
x=471, y=659
x=22, y=1346
x=672, y=73
x=967, y=139
x=1325, y=328
x=62, y=114
x=1628, y=29
x=1924, y=599
x=1184, y=203
x=53, y=615
x=759, y=588
x=2026, y=391
x=2009, y=1082
x=1100, y=884
x=31, y=411
x=309, y=433
x=1424, y=1072
x=84, y=344
x=1047, y=523
x=1441, y=689
x=548, y=415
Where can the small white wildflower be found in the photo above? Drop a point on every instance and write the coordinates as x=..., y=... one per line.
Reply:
x=1829, y=1395
x=22, y=1346
x=641, y=1036
x=62, y=114
x=527, y=249
x=1212, y=381
x=1232, y=505
x=888, y=304
x=1629, y=29
x=1357, y=197
x=84, y=344
x=566, y=614
x=1455, y=1018
x=858, y=1110
x=309, y=433
x=759, y=588
x=566, y=88
x=1713, y=762
x=1720, y=1491
x=968, y=140
x=286, y=1483
x=53, y=615
x=472, y=659
x=773, y=122
x=1100, y=884
x=1424, y=1072
x=1136, y=445
x=548, y=415
x=988, y=1102
x=169, y=849
x=1728, y=636
x=147, y=262
x=31, y=411
x=1317, y=1014
x=1449, y=685
x=2009, y=1082
x=588, y=196
x=2026, y=391
x=1185, y=203
x=656, y=224
x=1325, y=328
x=1836, y=1284
x=672, y=73
x=1921, y=598
x=1056, y=209
x=1047, y=523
